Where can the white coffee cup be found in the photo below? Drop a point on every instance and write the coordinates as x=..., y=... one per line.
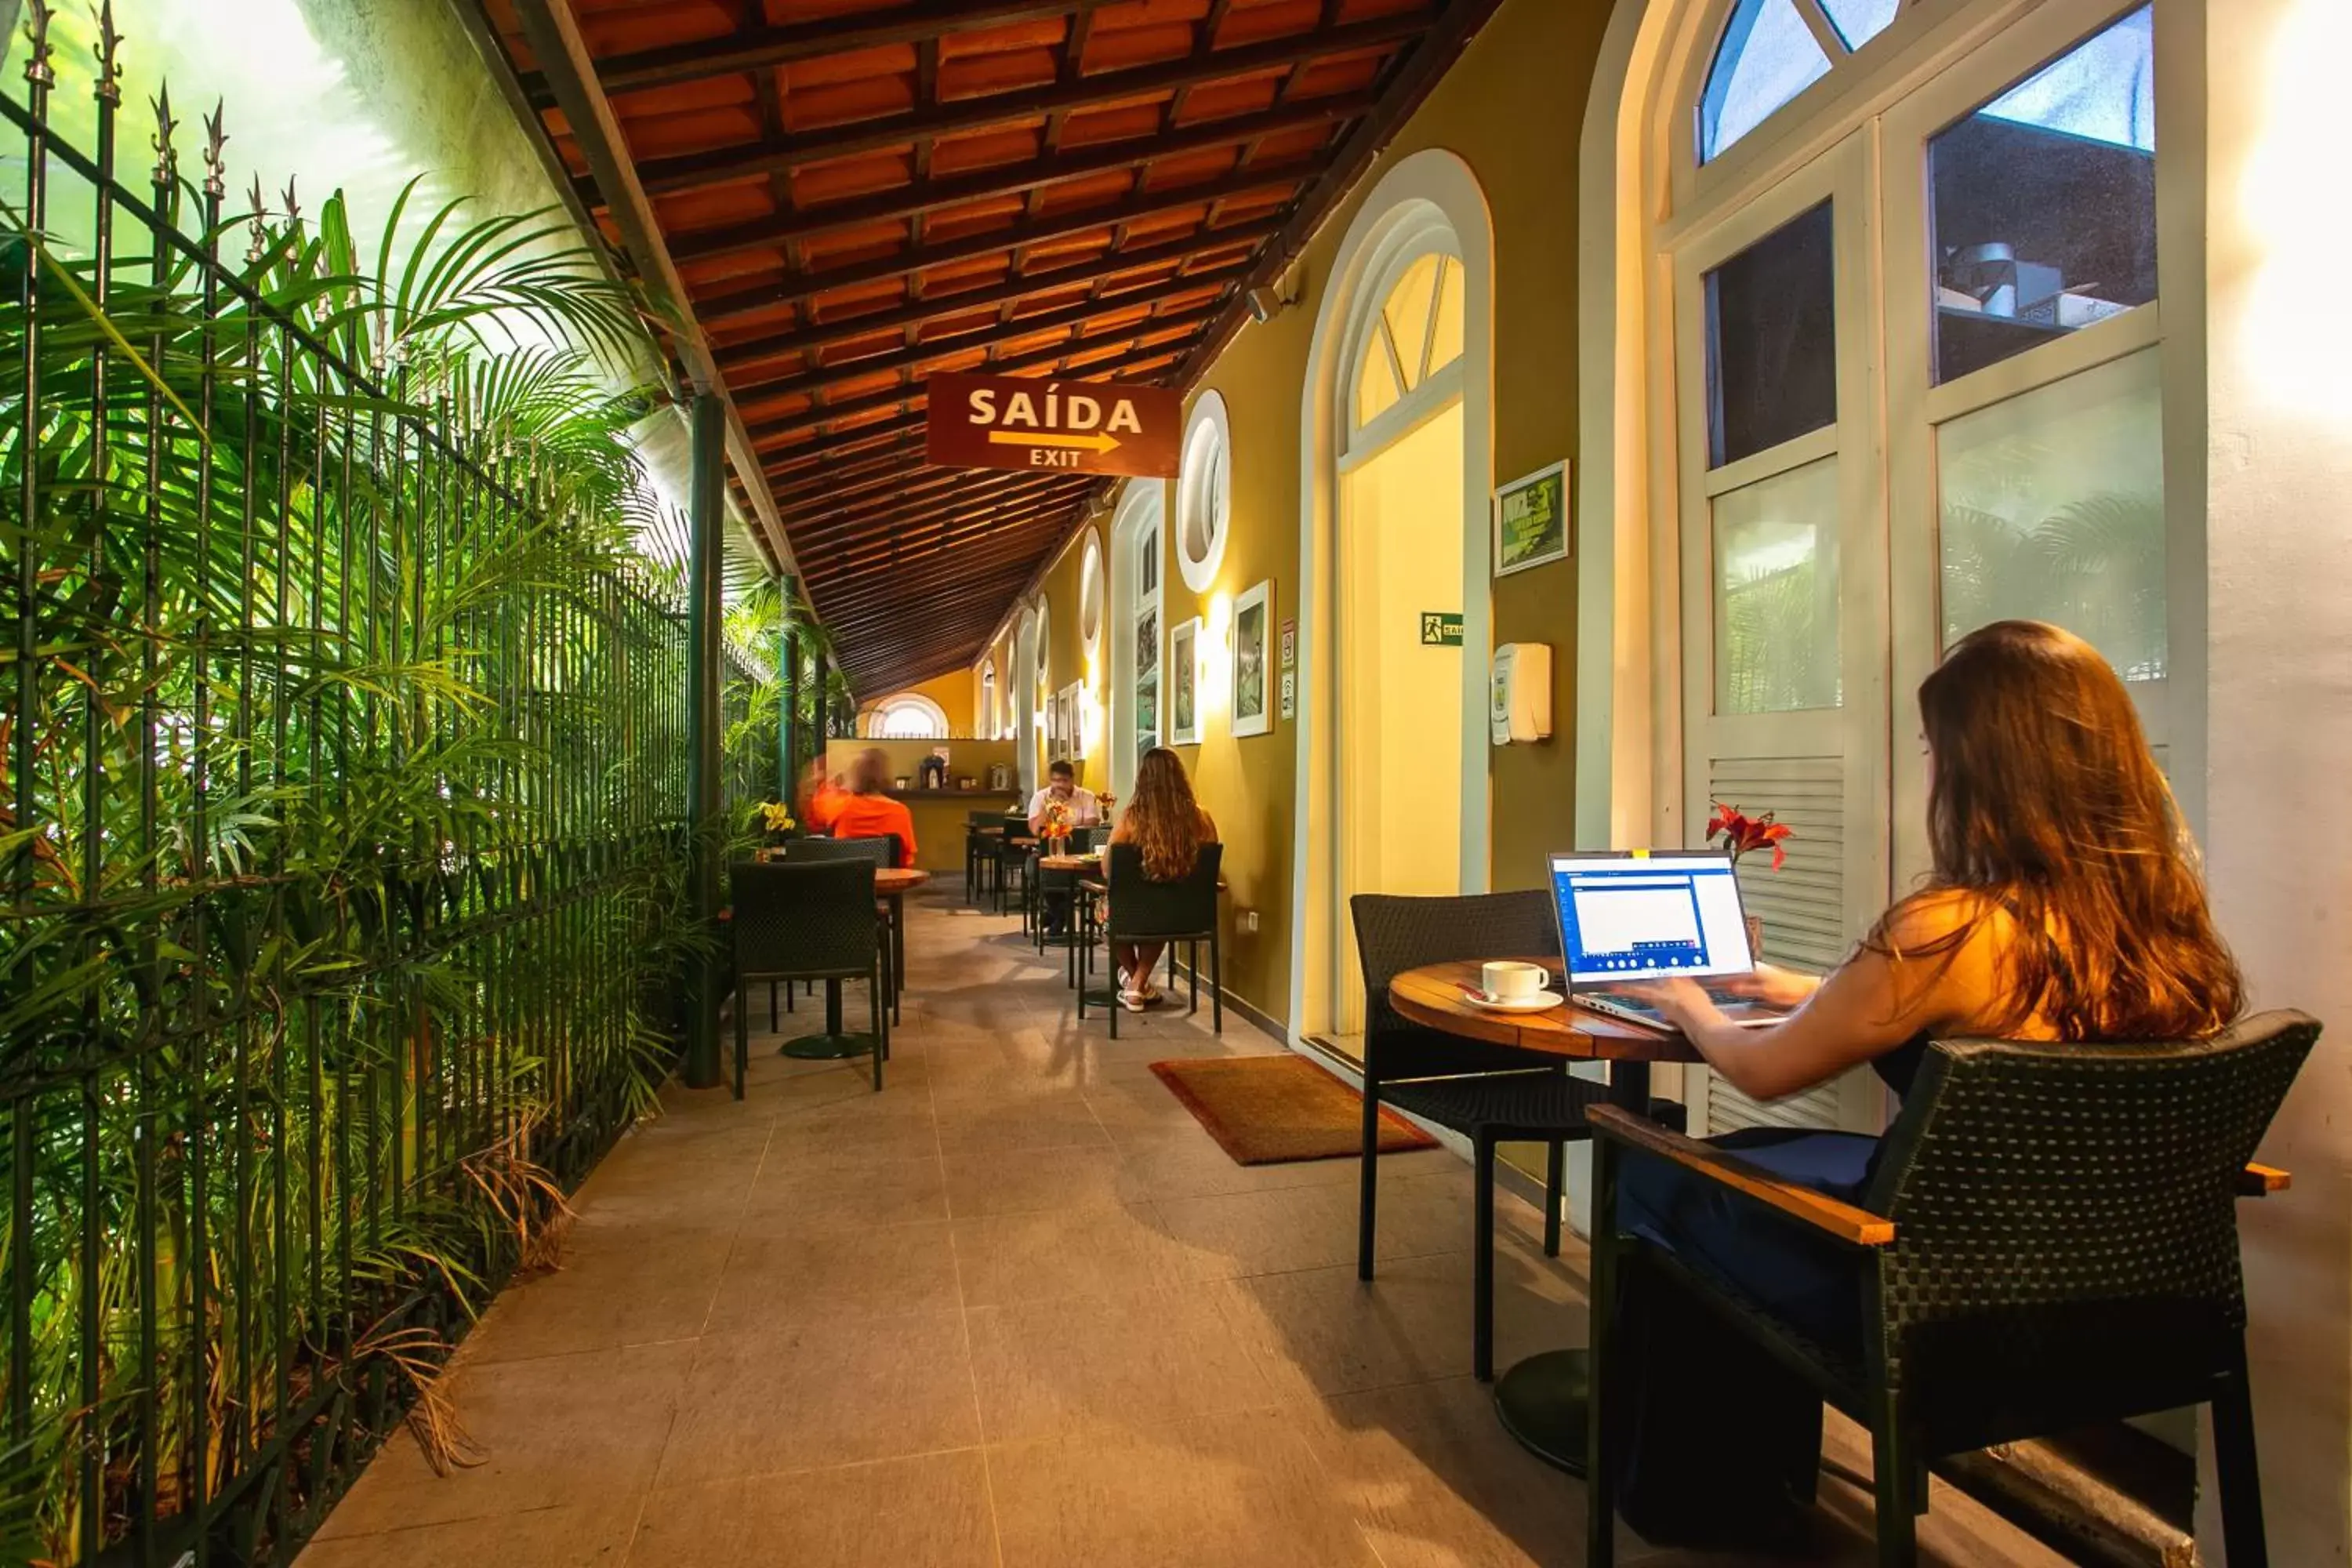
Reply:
x=1510, y=982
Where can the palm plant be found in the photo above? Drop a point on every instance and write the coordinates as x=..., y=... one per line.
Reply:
x=340, y=827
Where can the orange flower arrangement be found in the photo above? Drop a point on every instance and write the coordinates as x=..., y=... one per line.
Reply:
x=1742, y=832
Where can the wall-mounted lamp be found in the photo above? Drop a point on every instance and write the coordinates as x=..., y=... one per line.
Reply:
x=1269, y=301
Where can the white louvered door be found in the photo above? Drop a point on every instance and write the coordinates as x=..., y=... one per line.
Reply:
x=1782, y=604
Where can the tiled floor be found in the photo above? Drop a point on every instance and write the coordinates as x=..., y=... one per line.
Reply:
x=1015, y=1309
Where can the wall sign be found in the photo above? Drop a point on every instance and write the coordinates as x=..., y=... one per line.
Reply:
x=1440, y=630
x=1531, y=521
x=1289, y=646
x=1027, y=422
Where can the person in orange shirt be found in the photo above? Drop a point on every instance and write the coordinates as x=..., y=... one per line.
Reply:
x=866, y=813
x=820, y=797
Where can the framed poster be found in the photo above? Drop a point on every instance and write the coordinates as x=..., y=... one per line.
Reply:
x=1253, y=660
x=1531, y=521
x=1184, y=683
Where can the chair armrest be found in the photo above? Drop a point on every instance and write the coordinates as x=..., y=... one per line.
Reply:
x=1840, y=1221
x=2262, y=1181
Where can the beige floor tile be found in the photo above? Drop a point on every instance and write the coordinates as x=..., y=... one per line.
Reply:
x=874, y=1128
x=586, y=1535
x=780, y=1275
x=620, y=1286
x=577, y=1431
x=1238, y=1491
x=1033, y=1181
x=1436, y=1482
x=926, y=1513
x=1043, y=1257
x=1047, y=1368
x=852, y=1193
x=1324, y=1331
x=831, y=1390
x=1003, y=1126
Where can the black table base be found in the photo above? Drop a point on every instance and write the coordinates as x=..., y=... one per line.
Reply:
x=832, y=1045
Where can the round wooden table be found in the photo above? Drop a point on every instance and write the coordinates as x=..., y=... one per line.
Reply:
x=1542, y=1400
x=891, y=884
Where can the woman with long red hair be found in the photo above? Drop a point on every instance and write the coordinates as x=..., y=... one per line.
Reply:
x=1167, y=826
x=2064, y=902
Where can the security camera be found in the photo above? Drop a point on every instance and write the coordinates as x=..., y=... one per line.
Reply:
x=1267, y=303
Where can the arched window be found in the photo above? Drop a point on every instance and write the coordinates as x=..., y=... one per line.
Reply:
x=1770, y=51
x=1090, y=596
x=1205, y=493
x=1137, y=540
x=909, y=716
x=1415, y=335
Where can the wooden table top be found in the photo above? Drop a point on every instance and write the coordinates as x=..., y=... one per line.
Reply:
x=893, y=879
x=1433, y=997
x=1069, y=863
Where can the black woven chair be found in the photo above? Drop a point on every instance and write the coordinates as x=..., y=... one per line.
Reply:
x=882, y=850
x=811, y=920
x=1490, y=1094
x=1141, y=910
x=1012, y=861
x=978, y=852
x=2049, y=1239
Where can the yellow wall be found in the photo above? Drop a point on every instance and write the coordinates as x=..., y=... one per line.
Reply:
x=955, y=692
x=1513, y=110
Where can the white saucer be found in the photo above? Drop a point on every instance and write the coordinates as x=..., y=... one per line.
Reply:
x=1538, y=1003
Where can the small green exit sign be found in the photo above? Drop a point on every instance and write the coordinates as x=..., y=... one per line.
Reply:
x=1439, y=630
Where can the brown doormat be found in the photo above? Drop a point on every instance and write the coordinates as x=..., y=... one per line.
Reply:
x=1271, y=1110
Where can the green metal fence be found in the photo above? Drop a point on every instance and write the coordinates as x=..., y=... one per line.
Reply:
x=342, y=852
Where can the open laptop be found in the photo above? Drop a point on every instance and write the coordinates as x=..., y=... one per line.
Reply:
x=1632, y=917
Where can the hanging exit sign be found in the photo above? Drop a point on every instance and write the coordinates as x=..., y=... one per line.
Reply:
x=1078, y=426
x=1439, y=630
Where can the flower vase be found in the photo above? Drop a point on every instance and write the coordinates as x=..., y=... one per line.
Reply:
x=1756, y=937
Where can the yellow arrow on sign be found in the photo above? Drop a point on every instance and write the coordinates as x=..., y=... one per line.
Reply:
x=1096, y=444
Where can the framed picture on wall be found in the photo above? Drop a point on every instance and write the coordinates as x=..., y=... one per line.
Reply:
x=1184, y=683
x=1253, y=660
x=1531, y=521
x=1074, y=727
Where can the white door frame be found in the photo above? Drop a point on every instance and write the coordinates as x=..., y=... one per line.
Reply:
x=1142, y=504
x=1434, y=178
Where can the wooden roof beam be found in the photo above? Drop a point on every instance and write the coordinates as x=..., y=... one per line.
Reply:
x=756, y=49
x=832, y=375
x=833, y=532
x=932, y=308
x=903, y=488
x=965, y=115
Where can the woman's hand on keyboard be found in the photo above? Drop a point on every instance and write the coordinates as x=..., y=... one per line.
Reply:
x=1772, y=985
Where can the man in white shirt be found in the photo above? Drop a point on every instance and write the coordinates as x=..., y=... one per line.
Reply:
x=1062, y=789
x=1085, y=811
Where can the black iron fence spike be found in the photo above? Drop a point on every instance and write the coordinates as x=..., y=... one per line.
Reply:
x=167, y=157
x=215, y=138
x=107, y=50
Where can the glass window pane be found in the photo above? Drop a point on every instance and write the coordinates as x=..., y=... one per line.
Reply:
x=1146, y=643
x=2053, y=510
x=2044, y=204
x=1768, y=56
x=1147, y=550
x=1772, y=339
x=1776, y=592
x=1376, y=384
x=1445, y=347
x=1859, y=21
x=1406, y=311
x=1147, y=714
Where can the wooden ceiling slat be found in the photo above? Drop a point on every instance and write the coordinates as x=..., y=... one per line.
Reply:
x=927, y=535
x=966, y=115
x=829, y=536
x=873, y=323
x=1012, y=534
x=905, y=489
x=724, y=165
x=932, y=351
x=754, y=48
x=734, y=240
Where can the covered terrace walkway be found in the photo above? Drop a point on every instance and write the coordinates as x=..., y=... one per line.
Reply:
x=1017, y=1308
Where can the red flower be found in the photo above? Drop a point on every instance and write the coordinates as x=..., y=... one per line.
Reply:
x=1742, y=832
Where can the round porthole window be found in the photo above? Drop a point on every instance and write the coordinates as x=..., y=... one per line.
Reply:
x=1090, y=594
x=1205, y=493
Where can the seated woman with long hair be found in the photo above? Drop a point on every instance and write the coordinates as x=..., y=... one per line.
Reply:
x=1167, y=826
x=2064, y=903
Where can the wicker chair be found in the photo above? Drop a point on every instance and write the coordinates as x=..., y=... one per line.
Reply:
x=2048, y=1239
x=1141, y=910
x=883, y=851
x=1490, y=1094
x=810, y=920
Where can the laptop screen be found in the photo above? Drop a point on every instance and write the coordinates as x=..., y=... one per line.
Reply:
x=1623, y=919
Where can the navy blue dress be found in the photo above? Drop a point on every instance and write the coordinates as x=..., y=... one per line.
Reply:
x=1724, y=1442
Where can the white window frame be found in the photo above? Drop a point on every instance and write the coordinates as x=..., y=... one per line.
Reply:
x=933, y=715
x=1423, y=232
x=1209, y=431
x=1139, y=524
